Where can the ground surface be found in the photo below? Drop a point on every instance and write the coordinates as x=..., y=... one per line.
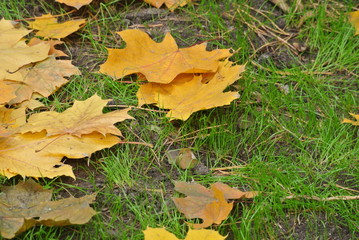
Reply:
x=283, y=137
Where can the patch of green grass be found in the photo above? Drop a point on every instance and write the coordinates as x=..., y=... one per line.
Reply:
x=286, y=143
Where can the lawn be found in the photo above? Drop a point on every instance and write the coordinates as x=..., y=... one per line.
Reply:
x=282, y=137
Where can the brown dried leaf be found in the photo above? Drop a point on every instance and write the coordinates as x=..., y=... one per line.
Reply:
x=28, y=204
x=208, y=204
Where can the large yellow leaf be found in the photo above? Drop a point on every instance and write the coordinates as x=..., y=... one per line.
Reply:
x=190, y=93
x=171, y=4
x=83, y=117
x=28, y=204
x=37, y=155
x=162, y=234
x=208, y=204
x=354, y=19
x=49, y=27
x=159, y=62
x=75, y=3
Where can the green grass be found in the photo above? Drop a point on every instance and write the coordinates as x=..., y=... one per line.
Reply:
x=287, y=144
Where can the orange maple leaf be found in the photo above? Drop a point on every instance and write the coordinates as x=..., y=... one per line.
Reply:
x=171, y=4
x=28, y=204
x=159, y=62
x=208, y=204
x=49, y=27
x=189, y=93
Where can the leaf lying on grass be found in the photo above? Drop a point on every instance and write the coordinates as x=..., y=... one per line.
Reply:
x=208, y=204
x=49, y=27
x=353, y=122
x=162, y=234
x=354, y=19
x=159, y=62
x=171, y=4
x=28, y=204
x=84, y=117
x=75, y=3
x=189, y=93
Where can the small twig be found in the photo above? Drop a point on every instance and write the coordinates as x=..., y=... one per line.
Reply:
x=322, y=199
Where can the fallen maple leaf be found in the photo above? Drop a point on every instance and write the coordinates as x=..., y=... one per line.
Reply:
x=355, y=122
x=171, y=4
x=36, y=155
x=75, y=3
x=84, y=117
x=28, y=204
x=11, y=33
x=159, y=62
x=208, y=204
x=190, y=93
x=44, y=77
x=162, y=234
x=49, y=27
x=354, y=19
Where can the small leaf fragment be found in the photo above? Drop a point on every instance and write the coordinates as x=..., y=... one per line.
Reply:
x=353, y=122
x=184, y=158
x=28, y=204
x=75, y=3
x=171, y=4
x=354, y=20
x=163, y=234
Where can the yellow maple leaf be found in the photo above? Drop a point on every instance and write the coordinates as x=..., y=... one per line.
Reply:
x=84, y=117
x=75, y=3
x=36, y=155
x=49, y=27
x=171, y=4
x=163, y=234
x=159, y=62
x=354, y=19
x=191, y=93
x=355, y=122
